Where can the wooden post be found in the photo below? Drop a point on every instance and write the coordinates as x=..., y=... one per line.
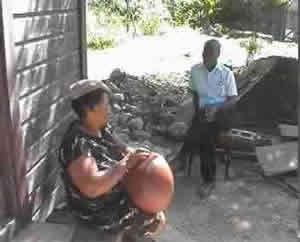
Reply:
x=127, y=16
x=83, y=38
x=10, y=143
x=298, y=232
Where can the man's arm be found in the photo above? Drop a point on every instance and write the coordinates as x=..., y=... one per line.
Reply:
x=231, y=92
x=229, y=103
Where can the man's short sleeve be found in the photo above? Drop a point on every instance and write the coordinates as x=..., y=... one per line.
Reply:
x=231, y=89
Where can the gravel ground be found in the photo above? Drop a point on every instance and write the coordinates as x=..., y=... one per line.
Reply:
x=246, y=208
x=175, y=51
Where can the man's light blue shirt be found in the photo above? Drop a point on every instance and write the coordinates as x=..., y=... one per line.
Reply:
x=212, y=87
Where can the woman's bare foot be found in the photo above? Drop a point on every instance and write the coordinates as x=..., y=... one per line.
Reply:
x=158, y=225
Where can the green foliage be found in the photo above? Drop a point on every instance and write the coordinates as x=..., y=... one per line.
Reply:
x=251, y=45
x=195, y=13
x=224, y=30
x=233, y=11
x=129, y=11
x=105, y=19
x=98, y=43
x=239, y=11
x=275, y=3
x=150, y=26
x=107, y=6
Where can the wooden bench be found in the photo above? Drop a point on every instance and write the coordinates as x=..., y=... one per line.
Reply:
x=225, y=144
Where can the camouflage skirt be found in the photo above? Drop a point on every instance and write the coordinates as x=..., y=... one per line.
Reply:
x=134, y=221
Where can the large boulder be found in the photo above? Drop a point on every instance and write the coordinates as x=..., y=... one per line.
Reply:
x=185, y=112
x=136, y=124
x=117, y=75
x=140, y=135
x=269, y=92
x=124, y=118
x=119, y=97
x=177, y=130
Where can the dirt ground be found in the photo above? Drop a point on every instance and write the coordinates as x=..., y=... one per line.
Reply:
x=246, y=208
x=175, y=51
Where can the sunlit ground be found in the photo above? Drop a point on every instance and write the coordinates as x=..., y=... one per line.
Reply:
x=248, y=208
x=167, y=53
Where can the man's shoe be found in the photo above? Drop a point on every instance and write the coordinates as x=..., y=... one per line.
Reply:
x=206, y=189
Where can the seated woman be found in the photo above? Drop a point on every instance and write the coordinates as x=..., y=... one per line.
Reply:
x=95, y=162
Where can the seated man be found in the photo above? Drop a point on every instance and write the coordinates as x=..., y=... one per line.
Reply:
x=214, y=97
x=94, y=163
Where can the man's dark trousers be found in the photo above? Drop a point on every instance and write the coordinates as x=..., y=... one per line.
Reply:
x=201, y=138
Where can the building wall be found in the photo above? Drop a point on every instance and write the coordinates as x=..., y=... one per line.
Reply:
x=47, y=37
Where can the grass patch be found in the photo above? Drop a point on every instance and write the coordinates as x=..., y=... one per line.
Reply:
x=99, y=43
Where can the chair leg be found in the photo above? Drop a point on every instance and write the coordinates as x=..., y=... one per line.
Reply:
x=227, y=158
x=190, y=163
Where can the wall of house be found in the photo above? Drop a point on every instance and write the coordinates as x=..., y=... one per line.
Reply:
x=47, y=38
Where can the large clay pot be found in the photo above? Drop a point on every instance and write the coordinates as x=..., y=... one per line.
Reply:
x=151, y=185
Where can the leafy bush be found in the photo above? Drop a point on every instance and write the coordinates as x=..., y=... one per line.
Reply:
x=241, y=11
x=128, y=11
x=251, y=45
x=98, y=43
x=275, y=3
x=103, y=18
x=150, y=26
x=195, y=13
x=233, y=10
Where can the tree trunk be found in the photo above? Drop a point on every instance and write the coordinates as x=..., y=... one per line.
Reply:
x=127, y=16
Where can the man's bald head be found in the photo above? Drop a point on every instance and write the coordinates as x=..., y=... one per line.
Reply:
x=213, y=44
x=211, y=53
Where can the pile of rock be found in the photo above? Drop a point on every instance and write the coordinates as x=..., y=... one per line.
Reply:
x=269, y=92
x=144, y=109
x=158, y=109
